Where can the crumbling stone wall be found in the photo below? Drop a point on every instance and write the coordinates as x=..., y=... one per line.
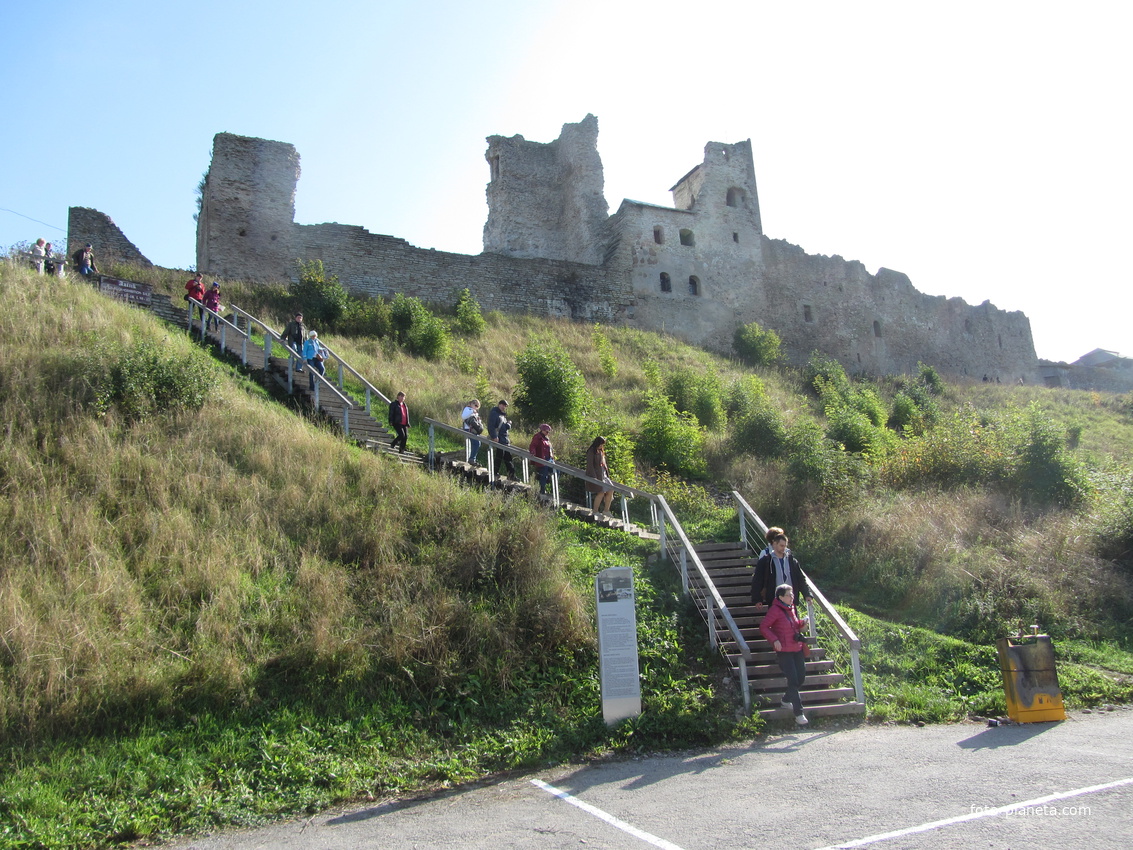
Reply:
x=698, y=269
x=110, y=243
x=247, y=213
x=546, y=200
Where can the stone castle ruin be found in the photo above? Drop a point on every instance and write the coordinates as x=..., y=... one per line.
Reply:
x=698, y=269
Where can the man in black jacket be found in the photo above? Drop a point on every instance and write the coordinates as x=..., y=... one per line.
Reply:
x=779, y=566
x=399, y=421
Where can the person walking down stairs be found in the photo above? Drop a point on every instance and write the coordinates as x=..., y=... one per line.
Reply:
x=295, y=335
x=399, y=421
x=541, y=448
x=783, y=629
x=314, y=353
x=470, y=422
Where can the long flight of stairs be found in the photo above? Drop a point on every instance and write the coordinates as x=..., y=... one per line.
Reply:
x=825, y=691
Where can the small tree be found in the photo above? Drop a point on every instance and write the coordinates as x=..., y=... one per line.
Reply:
x=322, y=299
x=757, y=346
x=672, y=439
x=551, y=387
x=469, y=320
x=605, y=350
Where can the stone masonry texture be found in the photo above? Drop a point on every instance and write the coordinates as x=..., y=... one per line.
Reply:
x=698, y=269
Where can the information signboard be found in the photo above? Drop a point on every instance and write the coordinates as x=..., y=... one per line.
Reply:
x=617, y=644
x=126, y=290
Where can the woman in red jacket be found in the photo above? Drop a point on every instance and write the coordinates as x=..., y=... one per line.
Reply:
x=782, y=628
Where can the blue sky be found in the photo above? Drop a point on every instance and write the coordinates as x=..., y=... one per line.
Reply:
x=981, y=148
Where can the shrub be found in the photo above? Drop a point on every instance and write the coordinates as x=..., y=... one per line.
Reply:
x=759, y=431
x=757, y=346
x=418, y=330
x=672, y=439
x=744, y=396
x=551, y=388
x=830, y=371
x=605, y=350
x=698, y=393
x=367, y=317
x=1046, y=472
x=931, y=379
x=855, y=432
x=469, y=320
x=322, y=299
x=142, y=379
x=815, y=459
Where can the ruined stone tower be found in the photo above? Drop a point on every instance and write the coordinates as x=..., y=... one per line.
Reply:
x=547, y=200
x=245, y=225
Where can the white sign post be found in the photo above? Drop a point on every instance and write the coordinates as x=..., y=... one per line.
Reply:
x=617, y=645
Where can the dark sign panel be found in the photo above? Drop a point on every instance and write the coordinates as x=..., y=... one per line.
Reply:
x=126, y=290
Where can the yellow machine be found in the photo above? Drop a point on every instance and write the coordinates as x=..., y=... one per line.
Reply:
x=1030, y=680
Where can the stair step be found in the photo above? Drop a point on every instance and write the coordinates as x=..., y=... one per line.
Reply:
x=773, y=699
x=822, y=710
x=771, y=685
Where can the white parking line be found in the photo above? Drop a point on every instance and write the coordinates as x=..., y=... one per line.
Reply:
x=608, y=818
x=982, y=813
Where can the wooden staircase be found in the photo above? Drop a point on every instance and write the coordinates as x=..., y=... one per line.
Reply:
x=824, y=692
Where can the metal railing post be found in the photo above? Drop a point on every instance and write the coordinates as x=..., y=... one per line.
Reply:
x=432, y=447
x=856, y=665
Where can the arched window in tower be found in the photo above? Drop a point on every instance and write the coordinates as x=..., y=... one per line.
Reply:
x=666, y=282
x=686, y=237
x=659, y=235
x=694, y=285
x=737, y=197
x=877, y=328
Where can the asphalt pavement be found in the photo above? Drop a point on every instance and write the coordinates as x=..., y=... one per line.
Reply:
x=1040, y=785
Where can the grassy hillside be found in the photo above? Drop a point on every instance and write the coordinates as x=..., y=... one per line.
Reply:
x=213, y=611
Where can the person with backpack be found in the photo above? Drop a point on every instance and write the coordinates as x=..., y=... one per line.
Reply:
x=314, y=352
x=84, y=260
x=470, y=422
x=498, y=428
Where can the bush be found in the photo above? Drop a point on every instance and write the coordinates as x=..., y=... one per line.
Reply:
x=417, y=330
x=142, y=380
x=815, y=459
x=931, y=379
x=366, y=317
x=1046, y=472
x=605, y=350
x=322, y=299
x=698, y=393
x=469, y=320
x=756, y=346
x=760, y=431
x=825, y=374
x=551, y=388
x=744, y=396
x=672, y=439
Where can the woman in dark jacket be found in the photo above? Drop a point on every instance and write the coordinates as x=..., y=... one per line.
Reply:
x=779, y=566
x=782, y=628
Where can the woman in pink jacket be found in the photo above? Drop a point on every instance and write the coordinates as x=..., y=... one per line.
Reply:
x=782, y=628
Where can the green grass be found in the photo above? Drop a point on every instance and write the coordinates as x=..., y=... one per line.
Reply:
x=214, y=617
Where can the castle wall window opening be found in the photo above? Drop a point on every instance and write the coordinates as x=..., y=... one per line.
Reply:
x=666, y=283
x=876, y=328
x=687, y=237
x=659, y=235
x=808, y=316
x=693, y=285
x=736, y=197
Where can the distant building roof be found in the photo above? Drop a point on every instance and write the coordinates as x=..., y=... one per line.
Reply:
x=1101, y=357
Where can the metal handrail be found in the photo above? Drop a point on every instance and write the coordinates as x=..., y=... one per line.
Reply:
x=814, y=597
x=714, y=603
x=270, y=337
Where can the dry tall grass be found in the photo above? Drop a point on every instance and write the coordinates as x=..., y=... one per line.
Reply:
x=195, y=557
